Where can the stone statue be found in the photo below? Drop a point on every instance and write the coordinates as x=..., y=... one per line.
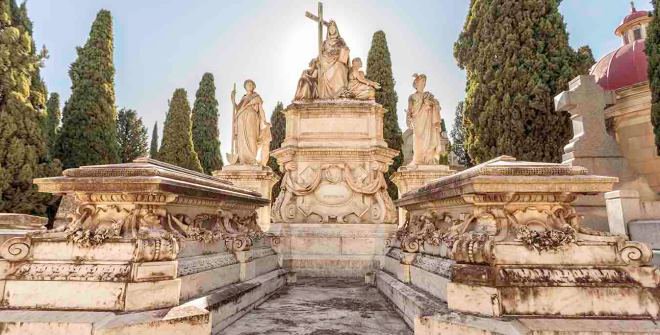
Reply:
x=423, y=116
x=250, y=129
x=359, y=87
x=307, y=89
x=333, y=64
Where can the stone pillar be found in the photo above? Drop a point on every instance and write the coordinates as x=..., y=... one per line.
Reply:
x=409, y=179
x=255, y=178
x=592, y=147
x=333, y=214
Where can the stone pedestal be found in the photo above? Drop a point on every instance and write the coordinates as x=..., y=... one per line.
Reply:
x=256, y=178
x=334, y=158
x=331, y=250
x=410, y=178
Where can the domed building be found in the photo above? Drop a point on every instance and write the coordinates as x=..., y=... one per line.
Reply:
x=625, y=71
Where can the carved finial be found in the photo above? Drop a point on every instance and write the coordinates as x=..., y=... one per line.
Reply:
x=632, y=6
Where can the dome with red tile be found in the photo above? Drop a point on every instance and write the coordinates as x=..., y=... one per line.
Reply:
x=622, y=67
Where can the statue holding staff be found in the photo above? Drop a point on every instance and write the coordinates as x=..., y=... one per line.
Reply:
x=423, y=116
x=250, y=129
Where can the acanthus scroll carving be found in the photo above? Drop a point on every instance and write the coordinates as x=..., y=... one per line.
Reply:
x=334, y=192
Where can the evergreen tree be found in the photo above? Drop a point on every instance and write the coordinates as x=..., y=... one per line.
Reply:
x=177, y=146
x=653, y=55
x=23, y=152
x=53, y=115
x=278, y=132
x=585, y=60
x=89, y=131
x=38, y=91
x=379, y=69
x=131, y=134
x=205, y=125
x=517, y=58
x=458, y=137
x=153, y=151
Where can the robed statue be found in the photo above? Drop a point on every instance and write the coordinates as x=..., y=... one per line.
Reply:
x=333, y=64
x=359, y=87
x=423, y=117
x=307, y=88
x=250, y=132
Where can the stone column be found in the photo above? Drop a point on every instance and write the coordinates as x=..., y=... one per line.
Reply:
x=255, y=178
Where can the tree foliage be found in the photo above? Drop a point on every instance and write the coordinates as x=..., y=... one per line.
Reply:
x=52, y=123
x=458, y=137
x=177, y=146
x=278, y=131
x=153, y=151
x=131, y=134
x=206, y=136
x=379, y=69
x=23, y=150
x=89, y=131
x=653, y=55
x=517, y=58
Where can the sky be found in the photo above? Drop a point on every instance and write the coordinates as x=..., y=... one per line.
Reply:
x=161, y=45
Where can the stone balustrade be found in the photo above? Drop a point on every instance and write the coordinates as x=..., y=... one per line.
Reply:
x=503, y=239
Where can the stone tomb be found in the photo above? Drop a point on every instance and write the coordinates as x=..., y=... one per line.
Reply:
x=500, y=249
x=333, y=213
x=150, y=247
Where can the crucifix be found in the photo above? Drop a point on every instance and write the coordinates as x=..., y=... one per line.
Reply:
x=320, y=21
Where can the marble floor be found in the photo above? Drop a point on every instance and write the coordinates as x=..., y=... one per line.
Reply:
x=323, y=306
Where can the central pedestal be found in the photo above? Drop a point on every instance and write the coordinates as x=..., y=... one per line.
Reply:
x=333, y=213
x=331, y=250
x=411, y=178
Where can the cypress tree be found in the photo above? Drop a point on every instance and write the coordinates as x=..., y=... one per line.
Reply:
x=89, y=131
x=379, y=69
x=653, y=55
x=458, y=137
x=585, y=60
x=38, y=91
x=278, y=132
x=53, y=115
x=131, y=134
x=153, y=151
x=23, y=152
x=177, y=146
x=517, y=58
x=205, y=125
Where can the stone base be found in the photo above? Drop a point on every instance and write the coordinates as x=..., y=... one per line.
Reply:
x=255, y=178
x=410, y=178
x=208, y=314
x=428, y=315
x=332, y=250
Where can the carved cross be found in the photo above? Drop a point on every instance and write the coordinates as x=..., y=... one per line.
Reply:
x=320, y=21
x=586, y=101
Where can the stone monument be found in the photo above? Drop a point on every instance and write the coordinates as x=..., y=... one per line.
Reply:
x=592, y=147
x=424, y=143
x=248, y=160
x=333, y=213
x=151, y=248
x=500, y=249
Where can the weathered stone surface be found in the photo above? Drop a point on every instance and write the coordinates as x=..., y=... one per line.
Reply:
x=322, y=306
x=410, y=178
x=519, y=246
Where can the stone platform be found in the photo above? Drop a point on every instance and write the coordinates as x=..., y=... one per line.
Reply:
x=323, y=306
